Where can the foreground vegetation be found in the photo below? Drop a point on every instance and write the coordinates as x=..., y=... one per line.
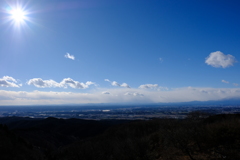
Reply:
x=195, y=138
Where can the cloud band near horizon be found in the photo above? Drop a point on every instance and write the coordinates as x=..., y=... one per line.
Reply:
x=118, y=95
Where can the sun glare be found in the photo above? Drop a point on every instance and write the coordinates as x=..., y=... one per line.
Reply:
x=18, y=15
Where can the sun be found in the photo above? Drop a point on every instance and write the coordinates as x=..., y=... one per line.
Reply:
x=18, y=15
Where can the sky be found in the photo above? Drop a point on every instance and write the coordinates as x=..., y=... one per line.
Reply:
x=112, y=51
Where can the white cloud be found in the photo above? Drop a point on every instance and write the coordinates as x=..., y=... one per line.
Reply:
x=235, y=84
x=137, y=94
x=128, y=94
x=218, y=59
x=105, y=92
x=7, y=81
x=75, y=84
x=114, y=83
x=147, y=86
x=125, y=85
x=133, y=94
x=225, y=81
x=163, y=88
x=67, y=55
x=38, y=82
x=7, y=78
x=153, y=86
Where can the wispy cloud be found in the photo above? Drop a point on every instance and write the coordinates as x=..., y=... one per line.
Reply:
x=67, y=55
x=235, y=84
x=218, y=59
x=225, y=81
x=38, y=82
x=7, y=81
x=161, y=60
x=114, y=83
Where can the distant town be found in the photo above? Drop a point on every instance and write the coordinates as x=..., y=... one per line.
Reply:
x=116, y=112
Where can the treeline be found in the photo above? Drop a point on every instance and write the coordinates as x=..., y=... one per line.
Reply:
x=194, y=138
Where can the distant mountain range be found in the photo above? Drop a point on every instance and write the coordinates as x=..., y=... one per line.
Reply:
x=115, y=105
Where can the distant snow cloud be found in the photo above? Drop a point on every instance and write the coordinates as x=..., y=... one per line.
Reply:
x=225, y=81
x=147, y=86
x=38, y=82
x=7, y=81
x=67, y=55
x=235, y=84
x=114, y=83
x=218, y=59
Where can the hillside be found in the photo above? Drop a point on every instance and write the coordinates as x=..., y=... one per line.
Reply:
x=215, y=137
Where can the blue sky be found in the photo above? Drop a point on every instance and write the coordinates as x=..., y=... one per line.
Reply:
x=109, y=51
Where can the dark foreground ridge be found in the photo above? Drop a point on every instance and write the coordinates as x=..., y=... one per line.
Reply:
x=194, y=138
